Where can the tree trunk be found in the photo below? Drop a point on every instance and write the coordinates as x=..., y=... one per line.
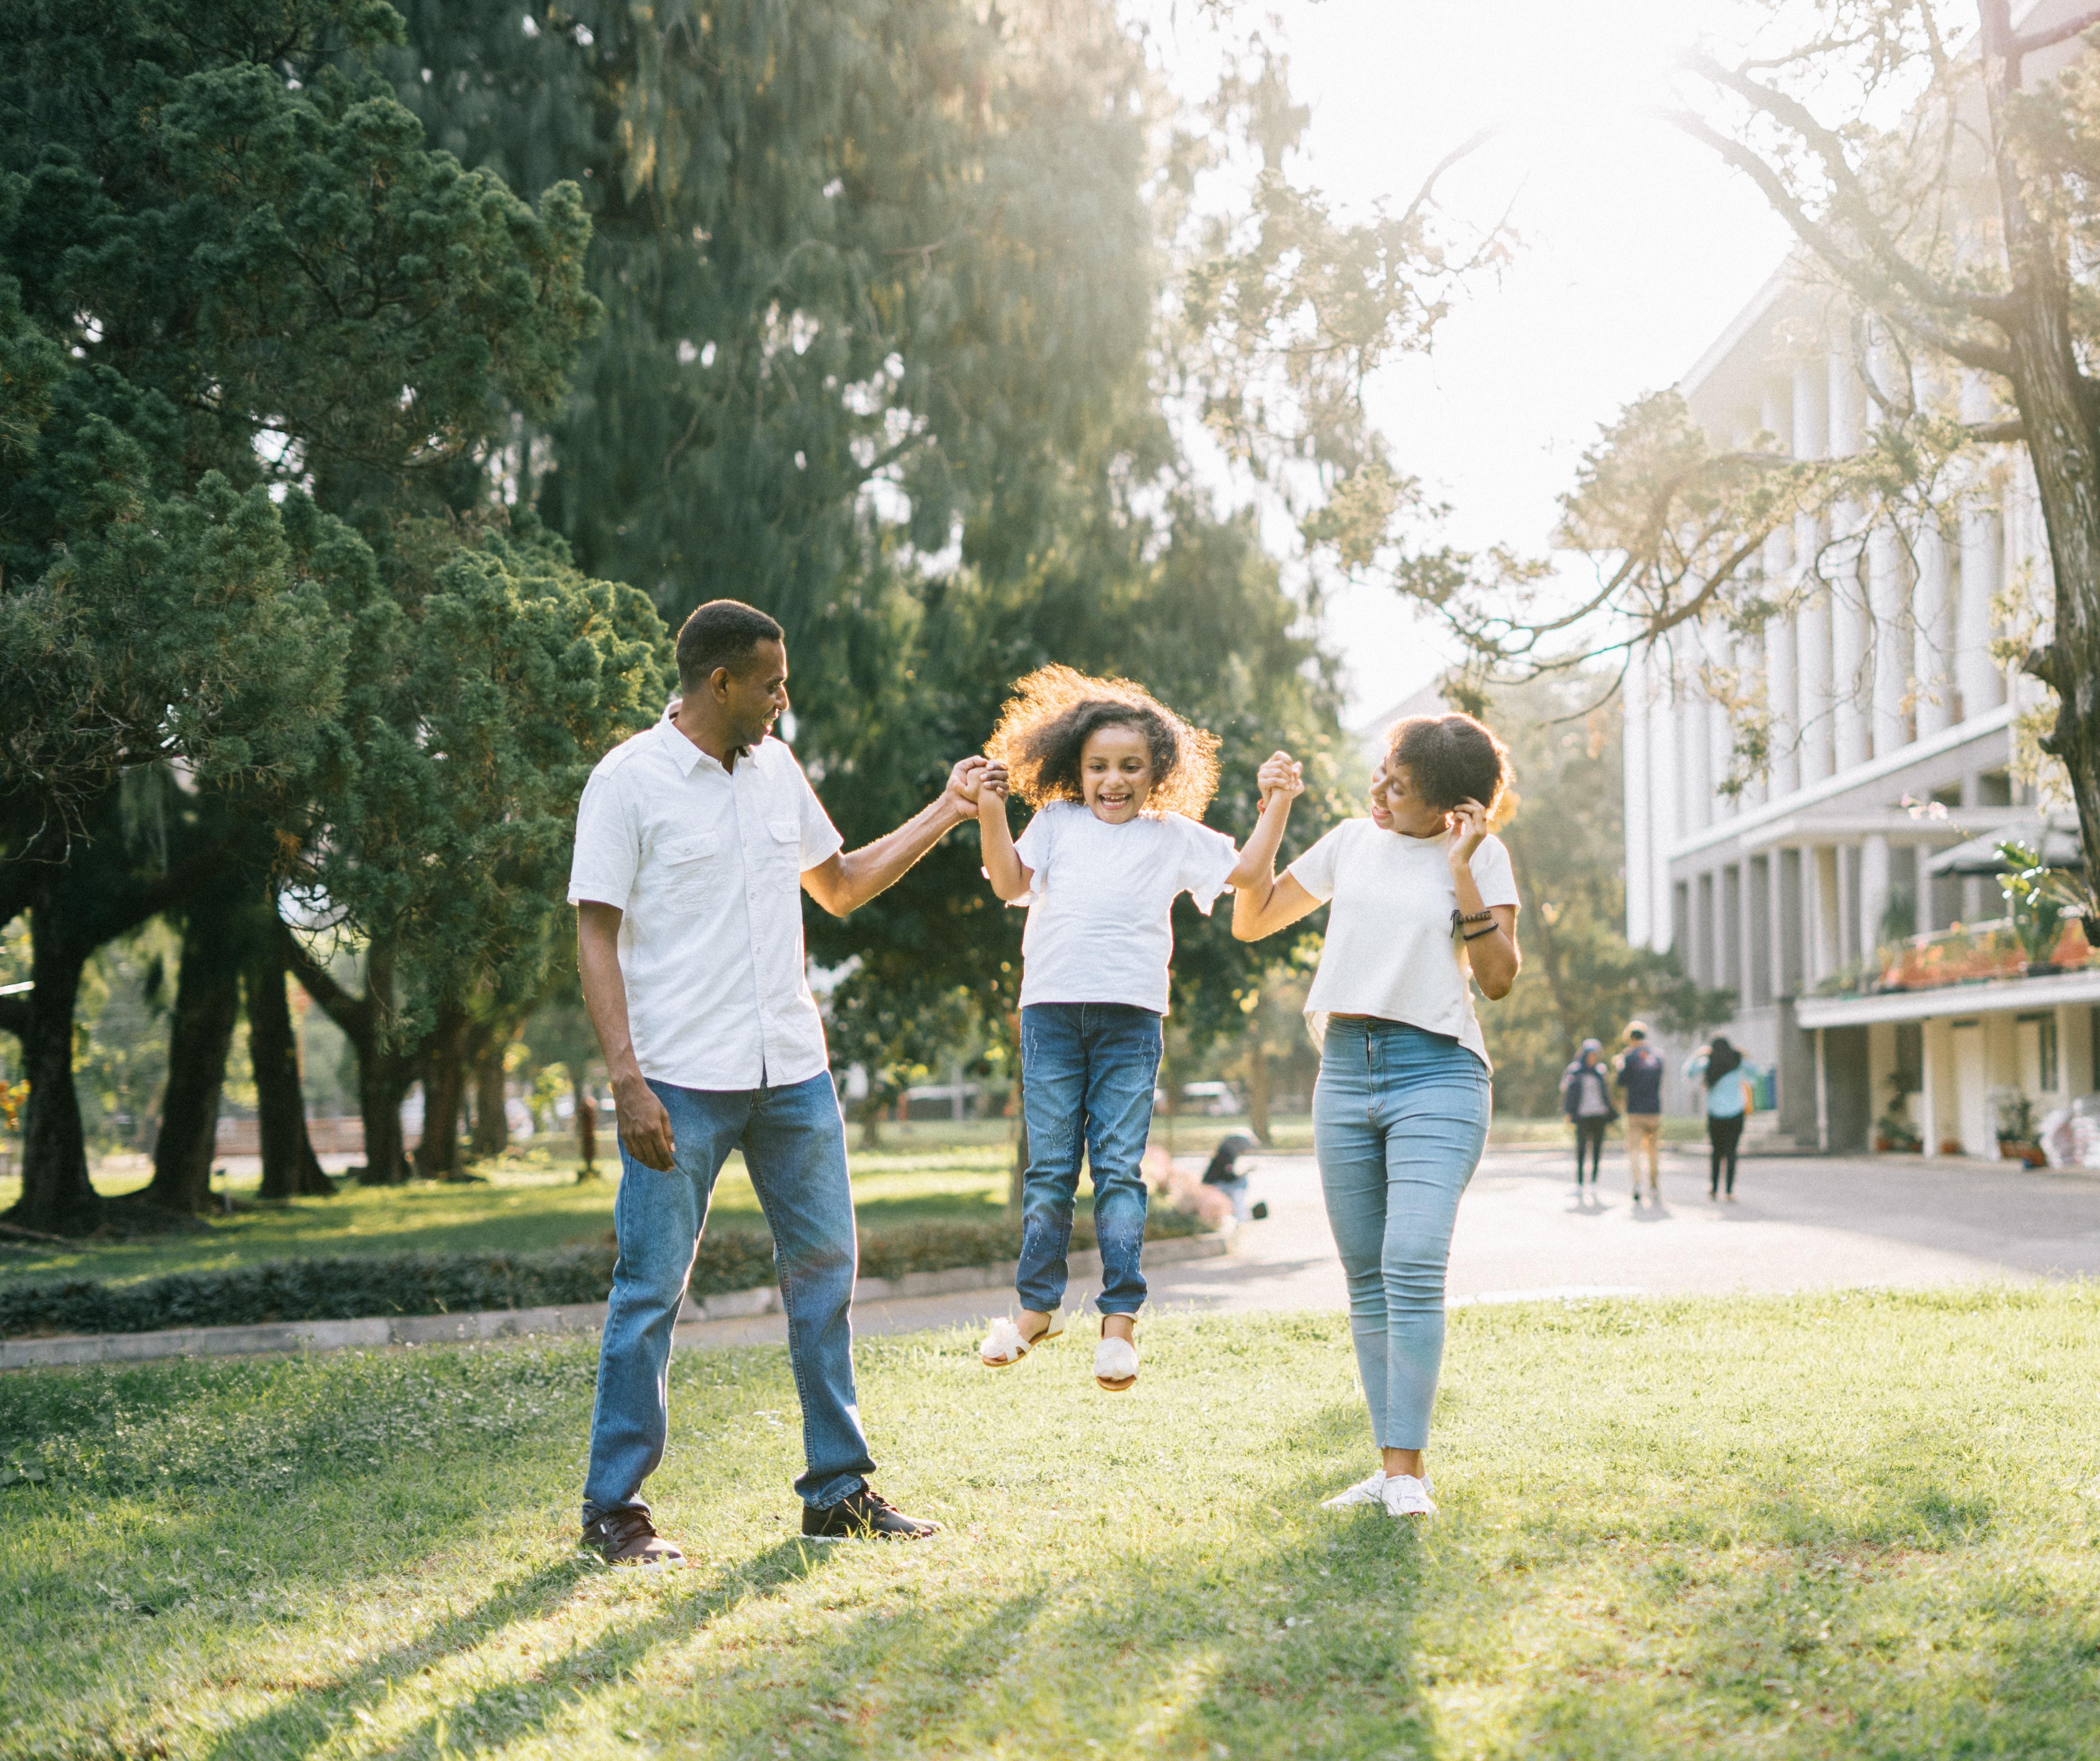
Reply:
x=381, y=1087
x=492, y=1125
x=57, y=1197
x=2057, y=419
x=445, y=1090
x=586, y=1106
x=382, y=1075
x=290, y=1169
x=871, y=1119
x=207, y=1004
x=1018, y=1180
x=1257, y=1075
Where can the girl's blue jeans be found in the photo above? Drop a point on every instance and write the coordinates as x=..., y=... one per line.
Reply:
x=794, y=1145
x=1087, y=1074
x=1399, y=1118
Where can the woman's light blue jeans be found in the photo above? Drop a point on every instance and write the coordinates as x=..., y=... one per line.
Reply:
x=1087, y=1072
x=1399, y=1118
x=794, y=1145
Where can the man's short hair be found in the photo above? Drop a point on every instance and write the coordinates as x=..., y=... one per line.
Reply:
x=1636, y=1030
x=721, y=633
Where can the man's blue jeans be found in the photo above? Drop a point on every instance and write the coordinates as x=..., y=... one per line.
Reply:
x=1087, y=1072
x=1399, y=1118
x=794, y=1144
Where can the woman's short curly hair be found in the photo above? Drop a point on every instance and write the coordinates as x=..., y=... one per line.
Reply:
x=1451, y=759
x=1052, y=713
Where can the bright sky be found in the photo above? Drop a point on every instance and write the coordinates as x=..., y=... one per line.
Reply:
x=1640, y=249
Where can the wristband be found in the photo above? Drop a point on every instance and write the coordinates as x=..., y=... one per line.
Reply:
x=1478, y=934
x=1460, y=919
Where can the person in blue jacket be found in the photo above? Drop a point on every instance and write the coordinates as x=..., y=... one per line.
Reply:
x=1585, y=1098
x=1731, y=1082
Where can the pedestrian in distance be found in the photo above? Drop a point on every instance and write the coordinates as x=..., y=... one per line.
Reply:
x=1224, y=1172
x=1587, y=1103
x=694, y=841
x=1119, y=783
x=1639, y=1071
x=1424, y=907
x=1731, y=1096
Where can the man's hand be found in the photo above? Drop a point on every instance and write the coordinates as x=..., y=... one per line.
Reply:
x=1280, y=774
x=960, y=796
x=645, y=1127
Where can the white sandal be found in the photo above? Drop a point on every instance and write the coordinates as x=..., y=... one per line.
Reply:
x=1115, y=1364
x=1006, y=1344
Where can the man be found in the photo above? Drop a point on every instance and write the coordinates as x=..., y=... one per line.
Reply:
x=1638, y=1070
x=692, y=841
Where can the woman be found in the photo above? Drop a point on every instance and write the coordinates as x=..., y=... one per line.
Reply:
x=1584, y=1099
x=1423, y=901
x=1730, y=1093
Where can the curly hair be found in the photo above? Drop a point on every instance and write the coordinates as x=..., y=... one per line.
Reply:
x=1451, y=759
x=1046, y=724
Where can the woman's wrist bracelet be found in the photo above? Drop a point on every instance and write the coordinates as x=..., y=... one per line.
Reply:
x=1478, y=934
x=1460, y=919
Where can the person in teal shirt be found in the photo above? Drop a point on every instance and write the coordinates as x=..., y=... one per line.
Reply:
x=1729, y=1081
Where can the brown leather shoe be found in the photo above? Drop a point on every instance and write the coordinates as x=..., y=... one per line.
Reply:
x=866, y=1515
x=628, y=1537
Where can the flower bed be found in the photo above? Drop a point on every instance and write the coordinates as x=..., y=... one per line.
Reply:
x=1972, y=957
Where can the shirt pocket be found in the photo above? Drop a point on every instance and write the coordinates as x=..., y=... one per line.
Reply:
x=689, y=868
x=783, y=845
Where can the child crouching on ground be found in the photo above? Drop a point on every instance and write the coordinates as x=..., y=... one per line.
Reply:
x=1118, y=782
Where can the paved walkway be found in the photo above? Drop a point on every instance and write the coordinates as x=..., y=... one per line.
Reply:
x=1799, y=1223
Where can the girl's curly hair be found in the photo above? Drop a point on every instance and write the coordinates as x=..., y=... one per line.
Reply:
x=1048, y=721
x=1451, y=759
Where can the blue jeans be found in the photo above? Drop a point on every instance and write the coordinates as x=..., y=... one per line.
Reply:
x=1087, y=1072
x=1399, y=1118
x=794, y=1144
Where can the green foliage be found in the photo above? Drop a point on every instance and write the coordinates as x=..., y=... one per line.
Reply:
x=348, y=1287
x=2038, y=898
x=1581, y=979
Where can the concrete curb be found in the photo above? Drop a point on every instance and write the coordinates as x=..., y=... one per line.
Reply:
x=517, y=1324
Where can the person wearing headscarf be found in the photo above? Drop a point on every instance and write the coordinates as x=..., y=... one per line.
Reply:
x=1731, y=1084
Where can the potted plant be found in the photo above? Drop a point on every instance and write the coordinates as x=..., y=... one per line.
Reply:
x=2016, y=1132
x=2037, y=901
x=1894, y=1132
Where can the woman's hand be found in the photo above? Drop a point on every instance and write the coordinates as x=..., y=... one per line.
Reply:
x=991, y=784
x=1280, y=774
x=1468, y=824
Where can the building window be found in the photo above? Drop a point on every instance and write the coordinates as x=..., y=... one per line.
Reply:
x=2046, y=1073
x=1994, y=788
x=1910, y=1055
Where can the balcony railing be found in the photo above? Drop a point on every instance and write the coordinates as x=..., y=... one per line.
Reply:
x=1972, y=954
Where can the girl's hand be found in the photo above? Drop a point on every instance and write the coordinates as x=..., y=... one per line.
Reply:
x=1468, y=824
x=1280, y=774
x=991, y=784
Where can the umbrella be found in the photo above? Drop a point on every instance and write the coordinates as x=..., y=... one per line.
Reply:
x=2059, y=846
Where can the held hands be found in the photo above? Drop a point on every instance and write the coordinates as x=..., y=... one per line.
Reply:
x=964, y=783
x=1280, y=775
x=1468, y=825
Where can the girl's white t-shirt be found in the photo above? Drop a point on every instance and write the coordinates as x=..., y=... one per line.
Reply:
x=1100, y=926
x=1390, y=951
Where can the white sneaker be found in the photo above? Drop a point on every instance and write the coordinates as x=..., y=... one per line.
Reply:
x=1115, y=1364
x=1404, y=1495
x=1370, y=1491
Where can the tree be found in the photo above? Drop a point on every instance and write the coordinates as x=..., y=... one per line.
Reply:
x=1565, y=833
x=240, y=294
x=1955, y=237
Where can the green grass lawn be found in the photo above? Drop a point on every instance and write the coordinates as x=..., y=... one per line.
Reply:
x=525, y=1202
x=1834, y=1527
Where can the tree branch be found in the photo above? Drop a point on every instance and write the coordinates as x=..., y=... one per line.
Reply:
x=1980, y=355
x=1852, y=198
x=2010, y=430
x=353, y=1015
x=2020, y=47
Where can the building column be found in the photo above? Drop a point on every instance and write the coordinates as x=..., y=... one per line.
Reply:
x=1812, y=393
x=1818, y=872
x=1777, y=417
x=1932, y=641
x=1666, y=823
x=1887, y=599
x=1851, y=681
x=1982, y=685
x=1873, y=894
x=1928, y=1086
x=1639, y=796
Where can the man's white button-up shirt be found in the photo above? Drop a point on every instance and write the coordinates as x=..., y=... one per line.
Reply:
x=705, y=865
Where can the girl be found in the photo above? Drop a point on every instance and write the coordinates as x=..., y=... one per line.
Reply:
x=1730, y=1096
x=1424, y=901
x=1118, y=782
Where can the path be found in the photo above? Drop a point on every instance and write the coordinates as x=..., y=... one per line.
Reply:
x=1801, y=1223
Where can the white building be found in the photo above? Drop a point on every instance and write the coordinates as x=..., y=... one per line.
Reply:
x=1812, y=893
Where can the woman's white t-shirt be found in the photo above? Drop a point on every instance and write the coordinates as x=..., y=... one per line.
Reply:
x=1389, y=950
x=1101, y=925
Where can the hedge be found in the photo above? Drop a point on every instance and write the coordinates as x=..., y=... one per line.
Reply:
x=348, y=1287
